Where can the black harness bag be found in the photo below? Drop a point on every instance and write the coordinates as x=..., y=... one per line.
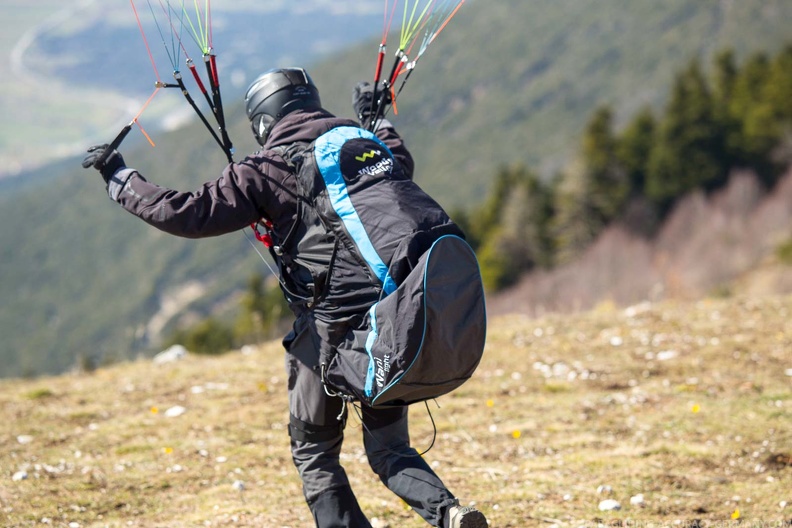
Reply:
x=398, y=311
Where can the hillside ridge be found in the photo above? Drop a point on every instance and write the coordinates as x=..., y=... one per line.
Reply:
x=707, y=244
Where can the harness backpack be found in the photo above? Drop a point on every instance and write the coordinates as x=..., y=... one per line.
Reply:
x=392, y=291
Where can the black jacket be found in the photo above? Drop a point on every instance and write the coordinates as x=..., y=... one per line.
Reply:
x=264, y=185
x=260, y=186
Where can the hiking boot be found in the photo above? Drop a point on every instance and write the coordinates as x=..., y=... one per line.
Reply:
x=466, y=517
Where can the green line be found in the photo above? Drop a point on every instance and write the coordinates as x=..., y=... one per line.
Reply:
x=208, y=25
x=406, y=24
x=204, y=38
x=410, y=29
x=195, y=35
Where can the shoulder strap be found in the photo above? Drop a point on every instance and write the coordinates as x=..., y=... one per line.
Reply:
x=328, y=159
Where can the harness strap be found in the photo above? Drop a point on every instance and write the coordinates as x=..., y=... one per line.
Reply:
x=306, y=432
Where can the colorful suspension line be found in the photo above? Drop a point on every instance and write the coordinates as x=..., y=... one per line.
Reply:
x=420, y=17
x=125, y=131
x=174, y=57
x=201, y=32
x=116, y=142
x=203, y=37
x=381, y=54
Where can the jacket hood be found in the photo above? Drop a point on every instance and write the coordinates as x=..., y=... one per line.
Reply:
x=304, y=126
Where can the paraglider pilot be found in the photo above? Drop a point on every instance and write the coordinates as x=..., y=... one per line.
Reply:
x=284, y=108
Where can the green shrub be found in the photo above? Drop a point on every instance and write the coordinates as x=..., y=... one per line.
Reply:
x=209, y=337
x=39, y=394
x=784, y=252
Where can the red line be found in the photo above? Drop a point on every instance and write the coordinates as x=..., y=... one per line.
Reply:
x=197, y=78
x=215, y=77
x=388, y=22
x=447, y=21
x=397, y=72
x=145, y=134
x=145, y=41
x=378, y=71
x=146, y=104
x=173, y=29
x=393, y=98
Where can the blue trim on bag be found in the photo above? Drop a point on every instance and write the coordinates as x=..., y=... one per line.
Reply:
x=327, y=151
x=423, y=335
x=370, y=339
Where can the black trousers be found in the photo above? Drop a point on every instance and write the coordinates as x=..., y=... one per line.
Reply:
x=317, y=433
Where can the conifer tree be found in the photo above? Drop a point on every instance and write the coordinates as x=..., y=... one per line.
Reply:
x=517, y=220
x=779, y=86
x=634, y=147
x=751, y=110
x=778, y=96
x=689, y=150
x=724, y=82
x=608, y=185
x=575, y=222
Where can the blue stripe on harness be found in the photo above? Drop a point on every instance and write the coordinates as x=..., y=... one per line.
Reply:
x=370, y=339
x=327, y=152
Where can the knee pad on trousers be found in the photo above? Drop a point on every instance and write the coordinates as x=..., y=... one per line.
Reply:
x=306, y=432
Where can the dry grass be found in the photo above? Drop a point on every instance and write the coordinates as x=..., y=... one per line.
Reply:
x=689, y=404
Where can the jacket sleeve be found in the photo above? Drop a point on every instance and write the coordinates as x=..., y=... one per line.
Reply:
x=226, y=204
x=387, y=133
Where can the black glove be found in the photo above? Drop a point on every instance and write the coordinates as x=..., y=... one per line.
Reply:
x=106, y=168
x=362, y=98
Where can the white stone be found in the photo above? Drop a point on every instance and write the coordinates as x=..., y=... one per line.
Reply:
x=248, y=350
x=665, y=355
x=637, y=500
x=604, y=489
x=19, y=475
x=238, y=485
x=609, y=505
x=170, y=355
x=24, y=439
x=175, y=411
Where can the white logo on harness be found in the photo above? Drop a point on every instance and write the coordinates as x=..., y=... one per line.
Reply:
x=383, y=367
x=381, y=167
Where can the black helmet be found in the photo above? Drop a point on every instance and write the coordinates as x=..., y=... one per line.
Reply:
x=274, y=94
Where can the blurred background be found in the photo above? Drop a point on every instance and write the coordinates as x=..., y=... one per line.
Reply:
x=594, y=151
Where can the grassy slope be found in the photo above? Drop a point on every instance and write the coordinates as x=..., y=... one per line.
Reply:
x=83, y=277
x=687, y=404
